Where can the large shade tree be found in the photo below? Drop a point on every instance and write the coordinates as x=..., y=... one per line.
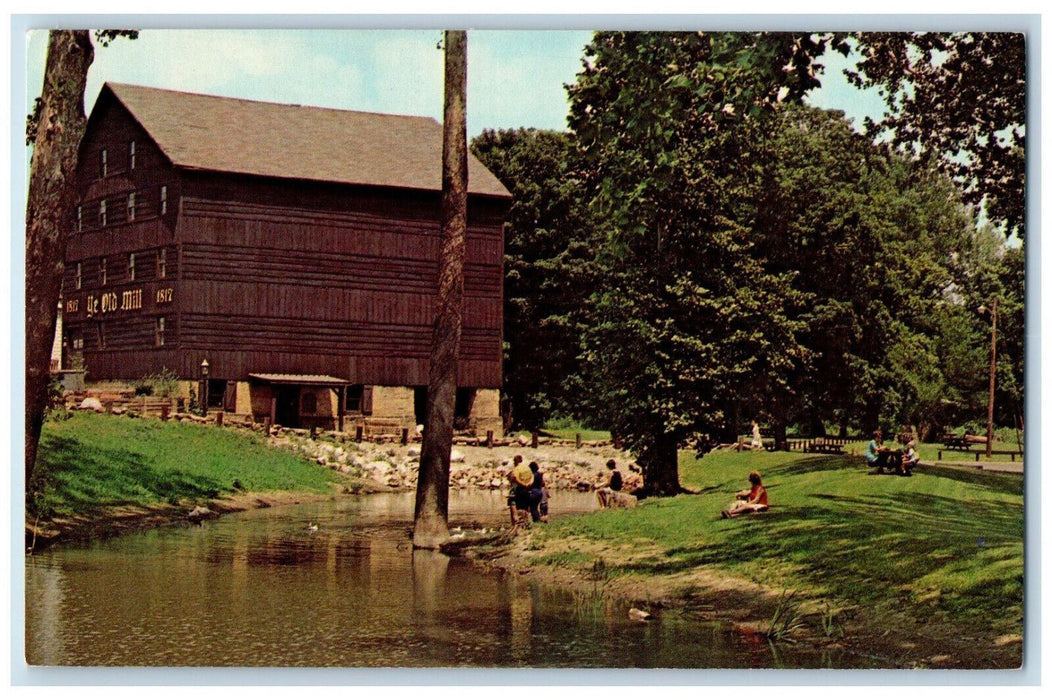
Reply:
x=871, y=238
x=754, y=257
x=988, y=273
x=684, y=317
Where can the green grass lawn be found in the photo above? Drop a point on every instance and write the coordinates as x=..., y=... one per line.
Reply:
x=943, y=545
x=92, y=462
x=572, y=433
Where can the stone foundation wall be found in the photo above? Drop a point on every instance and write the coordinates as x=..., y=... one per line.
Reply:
x=393, y=407
x=485, y=412
x=394, y=403
x=243, y=401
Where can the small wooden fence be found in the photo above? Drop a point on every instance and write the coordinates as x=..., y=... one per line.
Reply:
x=146, y=406
x=823, y=445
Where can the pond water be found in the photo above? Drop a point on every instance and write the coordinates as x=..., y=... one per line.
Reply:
x=262, y=588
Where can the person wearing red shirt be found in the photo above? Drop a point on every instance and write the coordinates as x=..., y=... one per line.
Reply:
x=751, y=500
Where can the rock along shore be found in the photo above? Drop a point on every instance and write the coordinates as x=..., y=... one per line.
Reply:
x=385, y=465
x=395, y=466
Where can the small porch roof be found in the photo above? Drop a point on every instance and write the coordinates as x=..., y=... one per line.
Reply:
x=300, y=379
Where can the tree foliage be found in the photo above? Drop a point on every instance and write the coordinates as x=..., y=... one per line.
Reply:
x=762, y=259
x=548, y=250
x=959, y=98
x=872, y=238
x=683, y=315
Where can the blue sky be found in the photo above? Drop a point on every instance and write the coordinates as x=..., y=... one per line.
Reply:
x=515, y=78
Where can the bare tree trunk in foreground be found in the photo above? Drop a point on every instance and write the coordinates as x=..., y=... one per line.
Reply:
x=59, y=130
x=431, y=519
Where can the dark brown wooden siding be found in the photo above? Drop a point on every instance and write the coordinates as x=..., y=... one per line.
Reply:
x=311, y=279
x=124, y=309
x=113, y=129
x=269, y=276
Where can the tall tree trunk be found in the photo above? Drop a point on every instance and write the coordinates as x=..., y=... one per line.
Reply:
x=52, y=196
x=778, y=426
x=431, y=519
x=661, y=466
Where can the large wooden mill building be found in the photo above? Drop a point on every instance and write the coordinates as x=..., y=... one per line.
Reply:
x=292, y=251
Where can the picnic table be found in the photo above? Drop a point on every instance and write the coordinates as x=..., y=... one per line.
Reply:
x=956, y=442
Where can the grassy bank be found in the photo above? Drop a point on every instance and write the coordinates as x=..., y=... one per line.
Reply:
x=937, y=557
x=91, y=465
x=924, y=571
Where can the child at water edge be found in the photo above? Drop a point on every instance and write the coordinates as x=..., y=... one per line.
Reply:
x=539, y=492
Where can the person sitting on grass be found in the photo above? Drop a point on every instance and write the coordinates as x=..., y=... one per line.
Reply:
x=750, y=500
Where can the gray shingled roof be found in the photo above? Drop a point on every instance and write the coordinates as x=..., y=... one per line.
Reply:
x=223, y=134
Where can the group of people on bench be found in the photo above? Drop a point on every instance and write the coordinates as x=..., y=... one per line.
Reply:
x=883, y=458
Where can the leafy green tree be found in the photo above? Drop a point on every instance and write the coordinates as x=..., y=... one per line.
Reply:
x=1011, y=338
x=989, y=271
x=811, y=221
x=548, y=253
x=686, y=325
x=959, y=98
x=872, y=238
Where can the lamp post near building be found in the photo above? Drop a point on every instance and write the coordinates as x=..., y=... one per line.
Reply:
x=993, y=374
x=204, y=387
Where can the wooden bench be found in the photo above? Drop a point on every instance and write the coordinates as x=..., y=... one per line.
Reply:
x=382, y=427
x=982, y=452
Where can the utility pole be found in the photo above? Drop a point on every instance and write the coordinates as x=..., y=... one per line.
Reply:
x=993, y=376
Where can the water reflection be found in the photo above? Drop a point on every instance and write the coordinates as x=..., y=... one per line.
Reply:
x=263, y=589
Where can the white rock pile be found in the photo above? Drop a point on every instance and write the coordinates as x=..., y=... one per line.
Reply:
x=396, y=466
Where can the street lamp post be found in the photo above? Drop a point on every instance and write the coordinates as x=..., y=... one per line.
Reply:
x=993, y=375
x=204, y=387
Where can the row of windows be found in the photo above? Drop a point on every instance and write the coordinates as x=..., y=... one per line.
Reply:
x=159, y=335
x=161, y=267
x=104, y=159
x=132, y=206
